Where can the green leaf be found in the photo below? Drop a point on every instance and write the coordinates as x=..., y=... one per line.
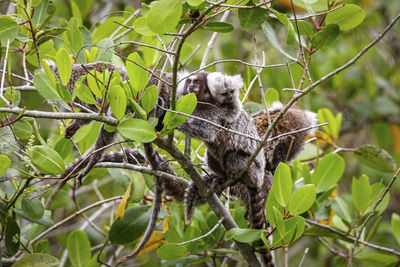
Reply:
x=361, y=193
x=83, y=92
x=44, y=87
x=141, y=27
x=325, y=37
x=269, y=208
x=138, y=130
x=37, y=260
x=282, y=184
x=138, y=76
x=117, y=98
x=74, y=35
x=305, y=28
x=5, y=163
x=279, y=221
x=375, y=157
x=33, y=208
x=244, y=235
x=217, y=26
x=49, y=34
x=11, y=236
x=131, y=226
x=8, y=29
x=325, y=115
x=40, y=14
x=377, y=259
x=396, y=227
x=194, y=3
x=139, y=111
x=271, y=96
x=76, y=13
x=252, y=18
x=164, y=15
x=149, y=98
x=47, y=160
x=185, y=104
x=328, y=172
x=342, y=209
x=95, y=82
x=171, y=251
x=45, y=220
x=78, y=246
x=294, y=228
x=49, y=73
x=271, y=35
x=347, y=17
x=64, y=65
x=302, y=199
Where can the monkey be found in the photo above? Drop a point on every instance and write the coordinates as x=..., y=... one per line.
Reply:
x=227, y=153
x=286, y=148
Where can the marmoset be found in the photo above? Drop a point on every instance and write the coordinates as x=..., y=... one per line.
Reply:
x=285, y=148
x=227, y=152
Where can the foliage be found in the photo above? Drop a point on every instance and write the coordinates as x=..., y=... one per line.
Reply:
x=333, y=199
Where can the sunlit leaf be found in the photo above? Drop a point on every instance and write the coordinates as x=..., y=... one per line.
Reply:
x=138, y=130
x=328, y=172
x=302, y=199
x=78, y=246
x=282, y=184
x=164, y=15
x=47, y=160
x=346, y=17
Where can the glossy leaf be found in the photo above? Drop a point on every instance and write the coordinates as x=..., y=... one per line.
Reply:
x=83, y=92
x=47, y=160
x=325, y=37
x=185, y=104
x=282, y=184
x=131, y=226
x=302, y=199
x=251, y=19
x=74, y=35
x=164, y=15
x=325, y=115
x=375, y=157
x=37, y=260
x=396, y=227
x=342, y=209
x=117, y=98
x=64, y=65
x=40, y=14
x=149, y=98
x=171, y=251
x=194, y=3
x=271, y=35
x=138, y=77
x=138, y=130
x=44, y=87
x=269, y=208
x=346, y=17
x=95, y=82
x=32, y=207
x=139, y=111
x=328, y=172
x=377, y=259
x=11, y=236
x=78, y=246
x=217, y=26
x=361, y=193
x=244, y=235
x=5, y=163
x=141, y=27
x=8, y=29
x=48, y=34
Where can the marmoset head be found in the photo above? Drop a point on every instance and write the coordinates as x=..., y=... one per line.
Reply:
x=196, y=84
x=224, y=88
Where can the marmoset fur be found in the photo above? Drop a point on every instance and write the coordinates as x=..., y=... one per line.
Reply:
x=227, y=152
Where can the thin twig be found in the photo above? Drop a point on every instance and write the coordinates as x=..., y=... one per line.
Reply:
x=4, y=75
x=352, y=239
x=372, y=213
x=60, y=115
x=203, y=236
x=304, y=256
